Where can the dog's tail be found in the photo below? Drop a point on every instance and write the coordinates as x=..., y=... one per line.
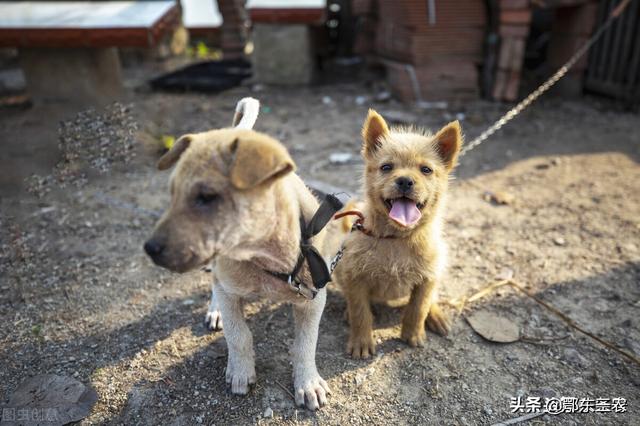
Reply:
x=246, y=114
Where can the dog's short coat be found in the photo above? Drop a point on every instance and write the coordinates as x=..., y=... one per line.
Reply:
x=405, y=183
x=236, y=201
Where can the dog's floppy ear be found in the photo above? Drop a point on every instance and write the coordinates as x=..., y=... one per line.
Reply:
x=373, y=131
x=257, y=160
x=173, y=155
x=448, y=142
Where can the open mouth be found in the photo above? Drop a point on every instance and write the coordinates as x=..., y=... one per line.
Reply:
x=404, y=211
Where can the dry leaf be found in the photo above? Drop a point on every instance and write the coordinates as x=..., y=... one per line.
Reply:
x=493, y=328
x=52, y=400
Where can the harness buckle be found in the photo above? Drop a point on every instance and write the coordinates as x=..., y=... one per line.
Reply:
x=301, y=290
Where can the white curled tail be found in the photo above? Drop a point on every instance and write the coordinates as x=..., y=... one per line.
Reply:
x=246, y=113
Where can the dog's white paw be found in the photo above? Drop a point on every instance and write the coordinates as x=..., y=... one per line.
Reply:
x=213, y=320
x=240, y=376
x=311, y=390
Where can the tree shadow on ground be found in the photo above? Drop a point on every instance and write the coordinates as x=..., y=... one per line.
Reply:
x=195, y=385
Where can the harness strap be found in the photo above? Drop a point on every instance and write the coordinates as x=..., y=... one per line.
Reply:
x=320, y=274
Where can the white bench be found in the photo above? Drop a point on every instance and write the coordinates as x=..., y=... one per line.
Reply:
x=68, y=49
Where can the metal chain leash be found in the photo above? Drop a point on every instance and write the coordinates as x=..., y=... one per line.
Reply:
x=513, y=112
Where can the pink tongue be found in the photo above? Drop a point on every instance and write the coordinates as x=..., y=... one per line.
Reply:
x=404, y=211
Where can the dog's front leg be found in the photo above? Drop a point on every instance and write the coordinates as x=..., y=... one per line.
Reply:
x=361, y=344
x=416, y=312
x=310, y=389
x=213, y=319
x=241, y=370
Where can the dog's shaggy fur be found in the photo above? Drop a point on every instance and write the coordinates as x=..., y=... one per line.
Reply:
x=236, y=201
x=405, y=183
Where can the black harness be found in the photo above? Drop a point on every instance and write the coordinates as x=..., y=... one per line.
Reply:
x=320, y=273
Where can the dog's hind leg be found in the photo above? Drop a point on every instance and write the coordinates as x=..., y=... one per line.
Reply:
x=213, y=318
x=241, y=369
x=310, y=389
x=437, y=320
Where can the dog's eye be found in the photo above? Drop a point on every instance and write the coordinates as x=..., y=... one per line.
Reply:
x=386, y=167
x=206, y=198
x=426, y=170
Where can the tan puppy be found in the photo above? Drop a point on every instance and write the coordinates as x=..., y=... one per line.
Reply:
x=406, y=178
x=236, y=200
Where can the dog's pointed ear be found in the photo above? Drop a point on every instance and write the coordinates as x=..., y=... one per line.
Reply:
x=257, y=160
x=173, y=155
x=373, y=131
x=448, y=142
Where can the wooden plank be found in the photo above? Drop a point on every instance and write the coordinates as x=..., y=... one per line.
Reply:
x=603, y=60
x=287, y=16
x=631, y=25
x=594, y=53
x=83, y=36
x=82, y=14
x=614, y=63
x=634, y=67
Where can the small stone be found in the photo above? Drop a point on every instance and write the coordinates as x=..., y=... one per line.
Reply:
x=505, y=274
x=383, y=96
x=559, y=241
x=399, y=117
x=574, y=357
x=545, y=393
x=487, y=410
x=634, y=346
x=499, y=198
x=340, y=158
x=268, y=413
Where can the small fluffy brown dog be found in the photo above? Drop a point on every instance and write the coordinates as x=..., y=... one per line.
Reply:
x=402, y=253
x=236, y=200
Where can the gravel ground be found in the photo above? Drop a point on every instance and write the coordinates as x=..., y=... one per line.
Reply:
x=79, y=298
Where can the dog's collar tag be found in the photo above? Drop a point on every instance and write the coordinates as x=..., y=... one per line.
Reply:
x=320, y=274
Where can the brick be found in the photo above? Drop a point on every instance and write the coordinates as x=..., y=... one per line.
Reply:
x=414, y=13
x=511, y=53
x=361, y=7
x=562, y=47
x=512, y=87
x=450, y=79
x=576, y=20
x=514, y=4
x=499, y=85
x=514, y=30
x=515, y=16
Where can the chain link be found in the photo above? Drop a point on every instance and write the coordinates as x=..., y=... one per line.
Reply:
x=513, y=112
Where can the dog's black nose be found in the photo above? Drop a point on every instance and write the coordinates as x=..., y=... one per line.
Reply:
x=404, y=184
x=153, y=248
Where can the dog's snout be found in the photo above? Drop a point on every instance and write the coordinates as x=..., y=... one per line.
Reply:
x=404, y=184
x=153, y=248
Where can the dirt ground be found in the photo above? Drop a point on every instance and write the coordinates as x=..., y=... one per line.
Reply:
x=78, y=297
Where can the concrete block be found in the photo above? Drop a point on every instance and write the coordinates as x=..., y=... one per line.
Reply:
x=82, y=75
x=283, y=54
